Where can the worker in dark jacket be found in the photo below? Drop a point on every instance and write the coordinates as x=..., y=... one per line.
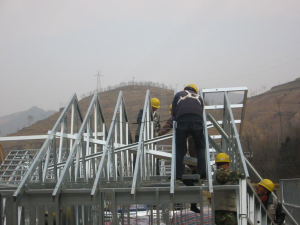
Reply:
x=191, y=148
x=191, y=145
x=168, y=125
x=264, y=189
x=187, y=110
x=155, y=103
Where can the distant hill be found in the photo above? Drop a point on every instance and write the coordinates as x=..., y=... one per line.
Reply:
x=283, y=99
x=271, y=131
x=16, y=121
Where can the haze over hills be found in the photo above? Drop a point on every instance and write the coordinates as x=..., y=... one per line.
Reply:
x=270, y=118
x=16, y=121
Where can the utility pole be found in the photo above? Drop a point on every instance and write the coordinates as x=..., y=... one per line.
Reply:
x=98, y=81
x=163, y=95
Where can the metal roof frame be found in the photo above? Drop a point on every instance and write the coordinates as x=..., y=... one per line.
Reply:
x=81, y=168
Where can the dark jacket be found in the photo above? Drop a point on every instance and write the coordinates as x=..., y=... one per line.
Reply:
x=156, y=120
x=167, y=127
x=274, y=209
x=191, y=144
x=187, y=102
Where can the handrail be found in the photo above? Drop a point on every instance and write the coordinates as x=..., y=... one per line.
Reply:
x=273, y=195
x=236, y=134
x=207, y=155
x=141, y=142
x=173, y=160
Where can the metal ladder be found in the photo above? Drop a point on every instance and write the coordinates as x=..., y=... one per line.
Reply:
x=224, y=126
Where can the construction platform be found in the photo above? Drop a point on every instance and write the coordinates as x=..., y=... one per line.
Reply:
x=84, y=172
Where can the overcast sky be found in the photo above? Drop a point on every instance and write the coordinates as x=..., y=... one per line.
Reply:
x=52, y=49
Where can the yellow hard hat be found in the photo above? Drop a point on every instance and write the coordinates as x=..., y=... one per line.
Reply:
x=268, y=184
x=155, y=103
x=53, y=214
x=222, y=157
x=170, y=109
x=192, y=86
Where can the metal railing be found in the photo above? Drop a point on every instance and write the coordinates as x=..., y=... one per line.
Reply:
x=290, y=199
x=225, y=138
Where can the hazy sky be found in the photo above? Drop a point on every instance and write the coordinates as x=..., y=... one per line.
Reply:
x=52, y=49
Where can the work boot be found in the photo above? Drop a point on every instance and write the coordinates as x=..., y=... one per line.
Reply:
x=203, y=176
x=188, y=182
x=194, y=208
x=176, y=179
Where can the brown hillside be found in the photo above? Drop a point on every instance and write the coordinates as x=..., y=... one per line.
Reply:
x=265, y=109
x=271, y=131
x=134, y=97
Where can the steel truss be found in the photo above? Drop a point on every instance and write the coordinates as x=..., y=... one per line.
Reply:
x=85, y=175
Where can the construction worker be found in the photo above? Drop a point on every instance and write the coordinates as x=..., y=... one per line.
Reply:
x=155, y=103
x=165, y=129
x=264, y=189
x=168, y=125
x=225, y=200
x=191, y=145
x=187, y=110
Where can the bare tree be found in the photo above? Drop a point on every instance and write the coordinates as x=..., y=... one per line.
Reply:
x=278, y=102
x=247, y=140
x=43, y=116
x=289, y=123
x=266, y=131
x=29, y=118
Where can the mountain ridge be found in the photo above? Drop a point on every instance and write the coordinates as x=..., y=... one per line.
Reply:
x=16, y=121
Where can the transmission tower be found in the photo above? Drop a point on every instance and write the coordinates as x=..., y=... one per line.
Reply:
x=98, y=81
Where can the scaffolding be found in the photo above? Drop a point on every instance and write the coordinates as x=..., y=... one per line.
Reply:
x=85, y=173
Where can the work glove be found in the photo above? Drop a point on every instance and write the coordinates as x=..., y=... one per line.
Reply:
x=242, y=176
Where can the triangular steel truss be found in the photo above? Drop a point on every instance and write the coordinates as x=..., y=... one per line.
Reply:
x=85, y=175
